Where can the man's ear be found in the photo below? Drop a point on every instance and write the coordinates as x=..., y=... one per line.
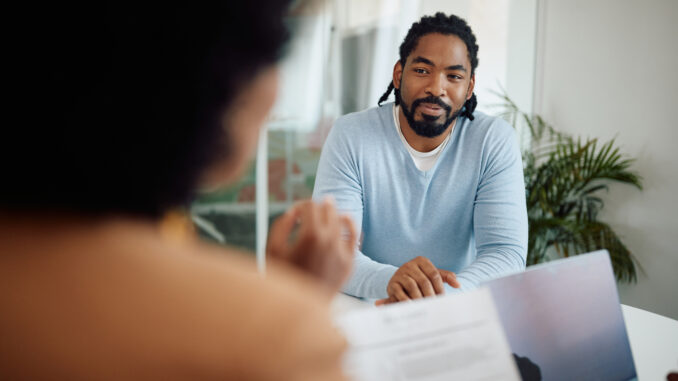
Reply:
x=397, y=74
x=471, y=85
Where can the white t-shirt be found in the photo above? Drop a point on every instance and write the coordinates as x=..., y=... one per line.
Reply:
x=422, y=160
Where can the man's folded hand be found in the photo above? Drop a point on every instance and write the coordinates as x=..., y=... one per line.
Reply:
x=417, y=279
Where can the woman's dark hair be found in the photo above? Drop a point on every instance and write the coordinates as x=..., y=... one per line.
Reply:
x=447, y=25
x=117, y=108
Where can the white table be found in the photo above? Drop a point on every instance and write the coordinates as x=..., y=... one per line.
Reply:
x=653, y=338
x=654, y=343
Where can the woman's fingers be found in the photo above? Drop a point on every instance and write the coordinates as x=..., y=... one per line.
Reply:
x=280, y=233
x=350, y=232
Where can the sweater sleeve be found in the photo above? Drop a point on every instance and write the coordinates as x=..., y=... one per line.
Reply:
x=338, y=176
x=500, y=213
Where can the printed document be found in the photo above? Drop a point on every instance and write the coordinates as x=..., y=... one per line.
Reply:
x=454, y=337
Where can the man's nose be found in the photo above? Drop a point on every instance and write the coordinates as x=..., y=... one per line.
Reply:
x=436, y=86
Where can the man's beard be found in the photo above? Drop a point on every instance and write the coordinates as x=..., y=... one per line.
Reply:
x=428, y=127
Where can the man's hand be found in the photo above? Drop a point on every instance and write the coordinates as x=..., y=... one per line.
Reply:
x=417, y=279
x=323, y=245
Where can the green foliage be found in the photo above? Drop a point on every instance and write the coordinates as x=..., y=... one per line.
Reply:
x=564, y=179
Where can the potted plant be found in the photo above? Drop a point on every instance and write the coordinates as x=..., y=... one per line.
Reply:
x=564, y=181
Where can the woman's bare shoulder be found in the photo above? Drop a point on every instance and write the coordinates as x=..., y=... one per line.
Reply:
x=174, y=304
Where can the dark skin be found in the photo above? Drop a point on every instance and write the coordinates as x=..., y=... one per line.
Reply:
x=439, y=66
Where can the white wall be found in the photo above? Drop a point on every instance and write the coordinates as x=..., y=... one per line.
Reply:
x=609, y=68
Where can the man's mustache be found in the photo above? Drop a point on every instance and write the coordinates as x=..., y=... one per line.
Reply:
x=432, y=100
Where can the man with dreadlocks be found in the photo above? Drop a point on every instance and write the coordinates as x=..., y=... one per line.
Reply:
x=436, y=186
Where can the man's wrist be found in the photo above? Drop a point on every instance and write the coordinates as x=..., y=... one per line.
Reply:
x=382, y=278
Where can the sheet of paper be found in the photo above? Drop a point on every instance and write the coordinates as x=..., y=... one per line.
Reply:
x=455, y=337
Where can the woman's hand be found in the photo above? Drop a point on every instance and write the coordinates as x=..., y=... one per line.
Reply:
x=316, y=239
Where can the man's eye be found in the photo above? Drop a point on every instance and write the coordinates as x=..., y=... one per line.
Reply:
x=420, y=71
x=453, y=77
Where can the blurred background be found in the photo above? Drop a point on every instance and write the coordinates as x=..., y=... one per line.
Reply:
x=602, y=69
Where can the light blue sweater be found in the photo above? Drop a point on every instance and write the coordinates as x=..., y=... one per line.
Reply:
x=467, y=214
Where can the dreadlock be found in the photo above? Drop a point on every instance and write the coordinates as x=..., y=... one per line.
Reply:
x=447, y=25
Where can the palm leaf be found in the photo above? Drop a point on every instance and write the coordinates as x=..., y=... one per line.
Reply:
x=564, y=181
